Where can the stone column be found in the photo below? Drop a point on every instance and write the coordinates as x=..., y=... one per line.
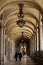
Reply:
x=42, y=24
x=13, y=48
x=36, y=43
x=32, y=44
x=9, y=50
x=41, y=32
x=2, y=44
x=37, y=40
x=6, y=50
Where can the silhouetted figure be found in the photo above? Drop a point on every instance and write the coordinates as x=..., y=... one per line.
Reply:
x=16, y=55
x=23, y=52
x=20, y=55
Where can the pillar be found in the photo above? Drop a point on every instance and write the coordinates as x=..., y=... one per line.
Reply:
x=13, y=48
x=32, y=44
x=8, y=49
x=2, y=43
x=41, y=32
x=42, y=24
x=36, y=43
x=5, y=50
x=37, y=40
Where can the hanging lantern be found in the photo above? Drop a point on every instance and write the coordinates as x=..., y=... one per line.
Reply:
x=20, y=22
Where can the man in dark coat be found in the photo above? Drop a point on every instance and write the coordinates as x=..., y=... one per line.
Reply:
x=16, y=55
x=20, y=55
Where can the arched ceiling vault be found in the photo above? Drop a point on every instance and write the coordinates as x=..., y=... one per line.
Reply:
x=23, y=30
x=9, y=9
x=26, y=21
x=27, y=14
x=16, y=29
x=14, y=25
x=27, y=31
x=14, y=18
x=31, y=3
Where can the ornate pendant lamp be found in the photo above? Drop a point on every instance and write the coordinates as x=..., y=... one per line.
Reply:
x=21, y=22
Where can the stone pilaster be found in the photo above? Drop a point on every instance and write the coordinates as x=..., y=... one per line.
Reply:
x=2, y=43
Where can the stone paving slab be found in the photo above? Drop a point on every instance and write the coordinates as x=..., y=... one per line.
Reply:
x=24, y=61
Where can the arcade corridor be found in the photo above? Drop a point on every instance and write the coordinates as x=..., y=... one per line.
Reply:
x=21, y=31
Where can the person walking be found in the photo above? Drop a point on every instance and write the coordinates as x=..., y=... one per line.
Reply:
x=20, y=56
x=16, y=55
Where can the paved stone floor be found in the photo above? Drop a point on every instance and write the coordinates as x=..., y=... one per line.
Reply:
x=25, y=61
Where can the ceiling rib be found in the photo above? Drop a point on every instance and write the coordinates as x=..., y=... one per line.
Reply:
x=17, y=26
x=31, y=3
x=29, y=14
x=13, y=24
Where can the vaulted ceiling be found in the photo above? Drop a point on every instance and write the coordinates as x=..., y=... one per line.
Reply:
x=9, y=9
